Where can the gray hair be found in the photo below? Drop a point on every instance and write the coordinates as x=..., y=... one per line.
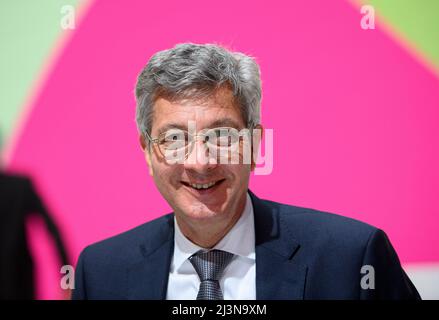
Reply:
x=193, y=71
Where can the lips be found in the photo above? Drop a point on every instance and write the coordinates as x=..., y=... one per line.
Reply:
x=203, y=188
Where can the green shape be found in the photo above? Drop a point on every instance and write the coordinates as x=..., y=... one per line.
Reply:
x=416, y=20
x=28, y=32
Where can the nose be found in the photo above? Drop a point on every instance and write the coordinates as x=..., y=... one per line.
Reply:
x=198, y=159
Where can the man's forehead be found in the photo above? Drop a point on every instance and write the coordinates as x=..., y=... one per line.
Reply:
x=184, y=125
x=194, y=109
x=177, y=115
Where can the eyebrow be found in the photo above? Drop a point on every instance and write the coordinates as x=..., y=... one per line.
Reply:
x=224, y=122
x=168, y=126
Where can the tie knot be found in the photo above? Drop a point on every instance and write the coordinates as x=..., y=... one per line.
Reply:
x=210, y=265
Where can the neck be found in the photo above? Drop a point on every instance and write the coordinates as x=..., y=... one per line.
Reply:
x=206, y=233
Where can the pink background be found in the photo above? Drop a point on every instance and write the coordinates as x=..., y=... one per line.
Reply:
x=355, y=118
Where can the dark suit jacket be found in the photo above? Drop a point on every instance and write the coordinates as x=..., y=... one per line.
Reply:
x=18, y=199
x=300, y=254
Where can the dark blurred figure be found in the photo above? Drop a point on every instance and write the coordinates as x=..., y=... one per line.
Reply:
x=18, y=199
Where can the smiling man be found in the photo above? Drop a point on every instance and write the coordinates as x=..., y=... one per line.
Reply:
x=198, y=115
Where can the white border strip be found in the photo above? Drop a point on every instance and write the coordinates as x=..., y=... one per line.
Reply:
x=425, y=277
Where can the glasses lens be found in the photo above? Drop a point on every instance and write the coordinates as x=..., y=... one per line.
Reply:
x=222, y=138
x=173, y=144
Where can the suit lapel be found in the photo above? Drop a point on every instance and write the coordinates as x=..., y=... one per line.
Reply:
x=278, y=274
x=148, y=279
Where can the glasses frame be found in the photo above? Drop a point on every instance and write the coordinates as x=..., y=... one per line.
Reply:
x=191, y=143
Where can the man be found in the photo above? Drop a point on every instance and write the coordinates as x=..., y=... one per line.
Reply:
x=197, y=105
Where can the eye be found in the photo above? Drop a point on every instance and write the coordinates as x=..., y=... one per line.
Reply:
x=221, y=137
x=174, y=135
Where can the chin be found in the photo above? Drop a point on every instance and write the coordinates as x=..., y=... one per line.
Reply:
x=201, y=211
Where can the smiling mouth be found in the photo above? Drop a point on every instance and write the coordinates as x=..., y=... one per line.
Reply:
x=202, y=186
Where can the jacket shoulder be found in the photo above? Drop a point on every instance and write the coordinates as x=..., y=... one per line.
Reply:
x=127, y=247
x=317, y=226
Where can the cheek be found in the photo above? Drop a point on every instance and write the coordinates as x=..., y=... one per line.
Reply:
x=166, y=176
x=238, y=172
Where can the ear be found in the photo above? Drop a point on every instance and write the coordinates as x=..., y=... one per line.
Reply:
x=256, y=143
x=147, y=153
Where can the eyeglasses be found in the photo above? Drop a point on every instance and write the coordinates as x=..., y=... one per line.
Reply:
x=176, y=144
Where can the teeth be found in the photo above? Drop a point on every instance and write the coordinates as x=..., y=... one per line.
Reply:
x=202, y=186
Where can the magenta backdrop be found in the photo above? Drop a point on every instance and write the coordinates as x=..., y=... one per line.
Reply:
x=355, y=117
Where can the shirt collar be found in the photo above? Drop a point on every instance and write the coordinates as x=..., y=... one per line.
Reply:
x=240, y=240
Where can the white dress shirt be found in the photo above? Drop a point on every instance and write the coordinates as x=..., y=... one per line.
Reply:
x=239, y=278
